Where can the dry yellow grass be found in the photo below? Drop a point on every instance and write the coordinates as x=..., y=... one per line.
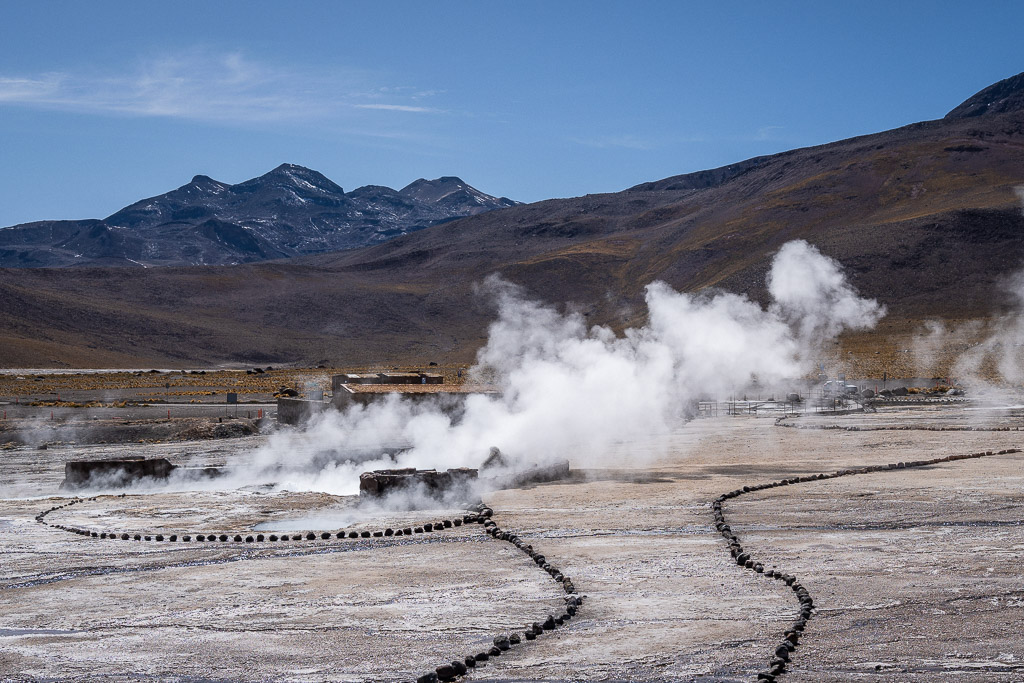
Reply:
x=190, y=383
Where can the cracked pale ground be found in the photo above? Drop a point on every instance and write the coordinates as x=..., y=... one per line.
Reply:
x=916, y=574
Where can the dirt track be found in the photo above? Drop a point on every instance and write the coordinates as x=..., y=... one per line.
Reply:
x=915, y=573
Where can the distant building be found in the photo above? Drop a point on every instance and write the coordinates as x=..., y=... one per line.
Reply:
x=347, y=394
x=389, y=378
x=365, y=388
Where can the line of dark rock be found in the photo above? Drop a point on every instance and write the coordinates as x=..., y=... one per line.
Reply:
x=249, y=537
x=780, y=422
x=505, y=641
x=479, y=514
x=915, y=400
x=791, y=637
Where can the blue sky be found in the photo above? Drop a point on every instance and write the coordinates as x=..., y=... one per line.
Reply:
x=104, y=103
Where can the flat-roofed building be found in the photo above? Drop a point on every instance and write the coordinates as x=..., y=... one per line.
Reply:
x=391, y=378
x=353, y=378
x=400, y=378
x=347, y=394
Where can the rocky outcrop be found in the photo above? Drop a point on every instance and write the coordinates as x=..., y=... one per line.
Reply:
x=999, y=98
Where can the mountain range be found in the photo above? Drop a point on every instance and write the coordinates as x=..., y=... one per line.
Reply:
x=925, y=218
x=289, y=211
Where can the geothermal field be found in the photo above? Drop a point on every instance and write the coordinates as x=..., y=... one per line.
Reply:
x=478, y=342
x=679, y=502
x=913, y=572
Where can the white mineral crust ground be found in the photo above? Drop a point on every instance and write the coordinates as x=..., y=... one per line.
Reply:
x=916, y=574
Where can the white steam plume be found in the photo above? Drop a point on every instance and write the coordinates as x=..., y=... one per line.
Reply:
x=573, y=391
x=1001, y=348
x=992, y=349
x=813, y=296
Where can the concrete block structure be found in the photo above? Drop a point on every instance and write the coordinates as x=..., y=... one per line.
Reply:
x=124, y=472
x=382, y=482
x=293, y=411
x=112, y=473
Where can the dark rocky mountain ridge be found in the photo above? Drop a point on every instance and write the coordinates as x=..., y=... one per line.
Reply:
x=289, y=211
x=999, y=98
x=926, y=218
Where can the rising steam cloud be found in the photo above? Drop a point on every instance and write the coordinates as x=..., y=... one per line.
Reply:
x=983, y=350
x=992, y=350
x=812, y=295
x=573, y=391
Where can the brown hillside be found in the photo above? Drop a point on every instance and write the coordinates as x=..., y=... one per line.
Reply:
x=925, y=218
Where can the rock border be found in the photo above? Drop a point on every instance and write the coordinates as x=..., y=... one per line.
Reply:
x=791, y=637
x=248, y=536
x=478, y=513
x=505, y=641
x=781, y=422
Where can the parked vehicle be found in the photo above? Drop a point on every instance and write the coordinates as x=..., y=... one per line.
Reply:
x=836, y=387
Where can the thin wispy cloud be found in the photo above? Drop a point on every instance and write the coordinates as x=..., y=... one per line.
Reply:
x=203, y=86
x=768, y=133
x=18, y=89
x=399, y=107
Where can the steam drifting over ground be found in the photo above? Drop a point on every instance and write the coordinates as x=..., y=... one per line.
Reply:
x=992, y=350
x=573, y=391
